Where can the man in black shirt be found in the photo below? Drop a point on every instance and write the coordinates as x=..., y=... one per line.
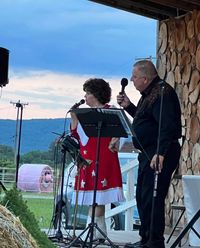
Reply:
x=157, y=128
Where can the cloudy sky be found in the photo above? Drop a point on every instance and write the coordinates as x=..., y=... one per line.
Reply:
x=55, y=45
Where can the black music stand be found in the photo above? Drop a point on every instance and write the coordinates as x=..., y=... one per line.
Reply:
x=99, y=122
x=189, y=226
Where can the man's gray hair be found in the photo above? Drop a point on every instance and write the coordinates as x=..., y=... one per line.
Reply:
x=147, y=68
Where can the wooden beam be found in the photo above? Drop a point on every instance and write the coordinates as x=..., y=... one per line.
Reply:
x=181, y=5
x=193, y=2
x=151, y=7
x=140, y=9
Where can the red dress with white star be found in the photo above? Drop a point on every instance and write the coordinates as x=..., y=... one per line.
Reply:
x=109, y=181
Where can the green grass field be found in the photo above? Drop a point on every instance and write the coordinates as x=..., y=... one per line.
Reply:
x=42, y=208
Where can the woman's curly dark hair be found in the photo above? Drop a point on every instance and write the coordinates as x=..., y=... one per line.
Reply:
x=99, y=88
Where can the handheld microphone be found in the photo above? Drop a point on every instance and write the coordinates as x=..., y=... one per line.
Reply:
x=76, y=105
x=124, y=83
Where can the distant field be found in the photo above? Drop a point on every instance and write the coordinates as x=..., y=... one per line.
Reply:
x=41, y=207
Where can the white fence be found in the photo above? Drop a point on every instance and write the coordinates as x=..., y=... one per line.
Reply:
x=7, y=175
x=129, y=169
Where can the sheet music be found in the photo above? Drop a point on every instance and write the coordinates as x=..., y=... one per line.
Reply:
x=122, y=116
x=111, y=122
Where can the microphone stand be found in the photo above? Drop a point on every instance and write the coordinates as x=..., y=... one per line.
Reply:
x=59, y=234
x=3, y=187
x=77, y=158
x=156, y=173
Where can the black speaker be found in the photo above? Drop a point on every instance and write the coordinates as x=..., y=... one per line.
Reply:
x=4, y=57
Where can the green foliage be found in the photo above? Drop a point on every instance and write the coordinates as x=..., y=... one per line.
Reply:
x=6, y=156
x=6, y=152
x=36, y=157
x=51, y=150
x=15, y=203
x=42, y=209
x=7, y=163
x=33, y=157
x=39, y=157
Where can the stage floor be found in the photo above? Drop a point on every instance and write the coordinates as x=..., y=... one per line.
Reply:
x=118, y=238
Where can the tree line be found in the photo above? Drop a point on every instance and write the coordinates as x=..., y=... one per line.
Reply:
x=50, y=157
x=7, y=156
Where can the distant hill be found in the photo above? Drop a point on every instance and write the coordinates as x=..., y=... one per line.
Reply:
x=36, y=134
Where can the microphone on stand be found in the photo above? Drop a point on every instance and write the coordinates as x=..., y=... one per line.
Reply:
x=76, y=105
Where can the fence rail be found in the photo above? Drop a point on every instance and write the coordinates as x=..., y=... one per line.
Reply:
x=7, y=175
x=130, y=203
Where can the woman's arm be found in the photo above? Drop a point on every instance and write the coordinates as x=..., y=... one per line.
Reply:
x=114, y=145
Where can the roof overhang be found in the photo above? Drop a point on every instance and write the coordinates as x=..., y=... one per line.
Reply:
x=156, y=9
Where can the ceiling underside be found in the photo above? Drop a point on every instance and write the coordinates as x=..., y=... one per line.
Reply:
x=156, y=9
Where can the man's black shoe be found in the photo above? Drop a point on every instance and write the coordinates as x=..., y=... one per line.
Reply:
x=154, y=244
x=139, y=244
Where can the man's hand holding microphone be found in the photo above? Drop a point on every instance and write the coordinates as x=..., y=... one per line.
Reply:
x=122, y=98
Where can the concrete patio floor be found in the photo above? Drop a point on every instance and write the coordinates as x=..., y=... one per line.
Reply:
x=117, y=238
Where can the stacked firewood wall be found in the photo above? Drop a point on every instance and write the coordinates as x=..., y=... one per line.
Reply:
x=178, y=62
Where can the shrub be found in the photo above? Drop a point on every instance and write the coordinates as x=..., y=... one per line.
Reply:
x=14, y=202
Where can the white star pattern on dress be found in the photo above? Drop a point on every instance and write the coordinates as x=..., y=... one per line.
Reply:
x=93, y=173
x=85, y=152
x=104, y=182
x=82, y=184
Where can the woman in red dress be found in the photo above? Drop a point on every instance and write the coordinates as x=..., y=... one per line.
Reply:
x=109, y=181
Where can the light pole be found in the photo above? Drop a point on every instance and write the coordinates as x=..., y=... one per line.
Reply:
x=20, y=107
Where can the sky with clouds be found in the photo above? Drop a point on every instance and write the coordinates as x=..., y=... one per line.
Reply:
x=55, y=45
